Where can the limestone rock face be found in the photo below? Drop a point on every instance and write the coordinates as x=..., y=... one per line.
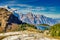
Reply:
x=4, y=16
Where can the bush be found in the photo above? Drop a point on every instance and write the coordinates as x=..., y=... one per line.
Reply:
x=55, y=30
x=21, y=27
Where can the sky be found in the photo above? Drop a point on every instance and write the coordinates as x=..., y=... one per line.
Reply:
x=49, y=8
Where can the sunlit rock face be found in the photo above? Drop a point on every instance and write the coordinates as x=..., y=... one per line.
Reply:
x=4, y=16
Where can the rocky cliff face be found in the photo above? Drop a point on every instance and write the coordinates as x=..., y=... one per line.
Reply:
x=8, y=20
x=4, y=16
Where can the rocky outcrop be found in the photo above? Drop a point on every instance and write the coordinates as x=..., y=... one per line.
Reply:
x=4, y=16
x=8, y=20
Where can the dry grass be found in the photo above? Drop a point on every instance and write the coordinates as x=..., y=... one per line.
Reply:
x=1, y=29
x=51, y=37
x=33, y=30
x=14, y=27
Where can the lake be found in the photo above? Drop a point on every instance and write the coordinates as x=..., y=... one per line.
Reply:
x=42, y=27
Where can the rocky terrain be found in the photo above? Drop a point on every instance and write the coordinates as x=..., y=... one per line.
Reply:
x=25, y=35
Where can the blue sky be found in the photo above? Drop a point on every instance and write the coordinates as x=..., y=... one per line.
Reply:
x=49, y=8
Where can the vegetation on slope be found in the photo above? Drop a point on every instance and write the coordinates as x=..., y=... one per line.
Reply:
x=55, y=30
x=26, y=26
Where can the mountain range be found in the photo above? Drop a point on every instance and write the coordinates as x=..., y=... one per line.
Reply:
x=33, y=18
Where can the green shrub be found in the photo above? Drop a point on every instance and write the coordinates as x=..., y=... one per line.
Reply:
x=55, y=30
x=21, y=27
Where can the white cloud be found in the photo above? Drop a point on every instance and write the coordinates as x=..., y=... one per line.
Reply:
x=40, y=8
x=50, y=15
x=52, y=8
x=53, y=15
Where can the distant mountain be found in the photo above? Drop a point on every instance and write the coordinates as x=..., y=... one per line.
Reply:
x=36, y=19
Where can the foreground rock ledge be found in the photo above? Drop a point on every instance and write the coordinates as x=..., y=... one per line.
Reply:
x=25, y=36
